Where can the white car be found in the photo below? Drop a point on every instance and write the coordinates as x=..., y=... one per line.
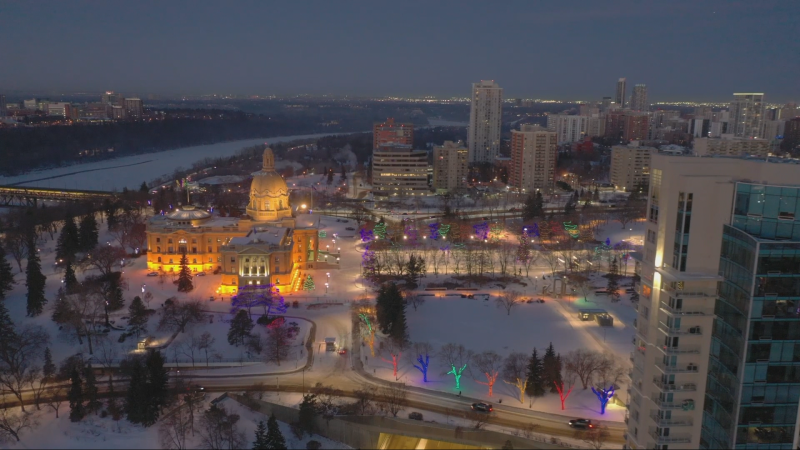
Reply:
x=152, y=274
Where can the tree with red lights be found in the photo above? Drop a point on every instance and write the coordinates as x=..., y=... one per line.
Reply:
x=489, y=364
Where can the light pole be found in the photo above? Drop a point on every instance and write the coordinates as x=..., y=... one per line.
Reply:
x=326, y=288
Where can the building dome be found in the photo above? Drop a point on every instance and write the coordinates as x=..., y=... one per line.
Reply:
x=188, y=212
x=269, y=194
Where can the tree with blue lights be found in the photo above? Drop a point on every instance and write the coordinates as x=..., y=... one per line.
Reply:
x=421, y=352
x=604, y=395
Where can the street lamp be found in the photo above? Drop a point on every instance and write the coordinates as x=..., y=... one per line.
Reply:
x=326, y=288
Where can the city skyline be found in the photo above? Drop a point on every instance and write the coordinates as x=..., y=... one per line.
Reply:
x=281, y=50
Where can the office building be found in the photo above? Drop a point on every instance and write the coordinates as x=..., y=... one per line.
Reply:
x=747, y=114
x=390, y=132
x=773, y=129
x=133, y=108
x=605, y=104
x=717, y=315
x=699, y=127
x=630, y=165
x=791, y=134
x=568, y=129
x=728, y=145
x=450, y=167
x=485, y=118
x=399, y=170
x=596, y=125
x=788, y=112
x=118, y=112
x=59, y=109
x=31, y=104
x=588, y=110
x=110, y=98
x=639, y=98
x=534, y=152
x=621, y=89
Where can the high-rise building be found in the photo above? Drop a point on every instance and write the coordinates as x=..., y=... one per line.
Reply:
x=773, y=129
x=747, y=114
x=630, y=165
x=450, y=167
x=117, y=112
x=728, y=145
x=635, y=127
x=717, y=307
x=596, y=125
x=605, y=104
x=699, y=127
x=621, y=89
x=399, y=170
x=390, y=132
x=639, y=98
x=3, y=108
x=788, y=112
x=133, y=108
x=485, y=119
x=588, y=109
x=59, y=109
x=568, y=129
x=534, y=152
x=791, y=134
x=110, y=98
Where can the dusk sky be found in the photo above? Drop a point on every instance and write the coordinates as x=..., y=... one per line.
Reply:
x=693, y=50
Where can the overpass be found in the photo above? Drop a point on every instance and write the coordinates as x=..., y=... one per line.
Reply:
x=30, y=196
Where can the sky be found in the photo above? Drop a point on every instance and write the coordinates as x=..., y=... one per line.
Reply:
x=565, y=49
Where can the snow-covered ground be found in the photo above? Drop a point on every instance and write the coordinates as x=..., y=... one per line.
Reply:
x=94, y=432
x=130, y=171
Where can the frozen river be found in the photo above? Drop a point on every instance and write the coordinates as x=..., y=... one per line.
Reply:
x=130, y=171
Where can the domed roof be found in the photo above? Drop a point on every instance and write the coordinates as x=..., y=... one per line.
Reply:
x=267, y=182
x=188, y=212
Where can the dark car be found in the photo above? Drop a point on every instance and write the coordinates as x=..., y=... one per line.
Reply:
x=581, y=423
x=482, y=407
x=350, y=229
x=415, y=416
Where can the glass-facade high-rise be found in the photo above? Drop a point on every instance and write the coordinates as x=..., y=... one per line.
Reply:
x=753, y=382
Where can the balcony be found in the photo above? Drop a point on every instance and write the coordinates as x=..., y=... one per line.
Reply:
x=673, y=439
x=673, y=422
x=671, y=387
x=685, y=405
x=686, y=310
x=682, y=368
x=679, y=350
x=670, y=331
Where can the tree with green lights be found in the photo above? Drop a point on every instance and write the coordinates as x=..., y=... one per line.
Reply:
x=380, y=230
x=308, y=285
x=613, y=285
x=457, y=357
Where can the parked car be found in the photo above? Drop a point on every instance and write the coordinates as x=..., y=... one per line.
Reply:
x=152, y=274
x=201, y=274
x=581, y=423
x=415, y=416
x=482, y=407
x=350, y=229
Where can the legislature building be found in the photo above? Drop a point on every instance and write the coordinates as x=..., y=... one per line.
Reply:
x=265, y=246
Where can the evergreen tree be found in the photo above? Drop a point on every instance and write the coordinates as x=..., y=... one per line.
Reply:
x=157, y=385
x=7, y=331
x=75, y=397
x=308, y=285
x=343, y=177
x=111, y=214
x=399, y=327
x=34, y=280
x=550, y=370
x=241, y=325
x=330, y=177
x=6, y=276
x=136, y=398
x=308, y=412
x=137, y=324
x=91, y=390
x=87, y=234
x=596, y=195
x=415, y=268
x=261, y=437
x=557, y=373
x=112, y=291
x=67, y=243
x=534, y=206
x=70, y=281
x=390, y=306
x=185, y=276
x=48, y=367
x=535, y=386
x=143, y=188
x=274, y=436
x=613, y=285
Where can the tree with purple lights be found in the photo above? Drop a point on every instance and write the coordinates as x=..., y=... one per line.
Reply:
x=481, y=230
x=367, y=235
x=434, y=231
x=264, y=296
x=604, y=395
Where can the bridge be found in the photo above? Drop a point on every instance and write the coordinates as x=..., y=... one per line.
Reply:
x=30, y=196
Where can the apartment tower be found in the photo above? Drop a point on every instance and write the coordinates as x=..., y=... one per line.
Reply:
x=747, y=114
x=621, y=88
x=713, y=360
x=399, y=170
x=534, y=151
x=485, y=118
x=639, y=98
x=391, y=132
x=449, y=167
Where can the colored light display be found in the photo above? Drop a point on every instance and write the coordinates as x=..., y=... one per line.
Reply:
x=380, y=230
x=434, y=231
x=572, y=230
x=444, y=230
x=604, y=395
x=323, y=234
x=457, y=374
x=308, y=285
x=367, y=235
x=481, y=230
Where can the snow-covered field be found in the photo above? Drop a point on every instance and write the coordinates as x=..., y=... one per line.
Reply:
x=109, y=175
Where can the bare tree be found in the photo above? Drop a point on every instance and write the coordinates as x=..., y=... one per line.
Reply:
x=413, y=299
x=108, y=356
x=56, y=397
x=81, y=312
x=393, y=398
x=628, y=213
x=489, y=363
x=583, y=363
x=189, y=347
x=103, y=258
x=583, y=283
x=13, y=424
x=176, y=315
x=205, y=344
x=508, y=300
x=505, y=256
x=219, y=430
x=174, y=429
x=611, y=372
x=550, y=256
x=18, y=357
x=477, y=419
x=395, y=349
x=595, y=437
x=515, y=372
x=277, y=344
x=365, y=397
x=328, y=400
x=14, y=243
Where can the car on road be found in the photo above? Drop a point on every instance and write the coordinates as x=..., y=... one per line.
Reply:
x=201, y=274
x=482, y=407
x=581, y=423
x=342, y=351
x=350, y=229
x=415, y=415
x=152, y=274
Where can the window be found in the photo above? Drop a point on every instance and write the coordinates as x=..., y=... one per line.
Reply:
x=158, y=249
x=194, y=260
x=158, y=239
x=159, y=259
